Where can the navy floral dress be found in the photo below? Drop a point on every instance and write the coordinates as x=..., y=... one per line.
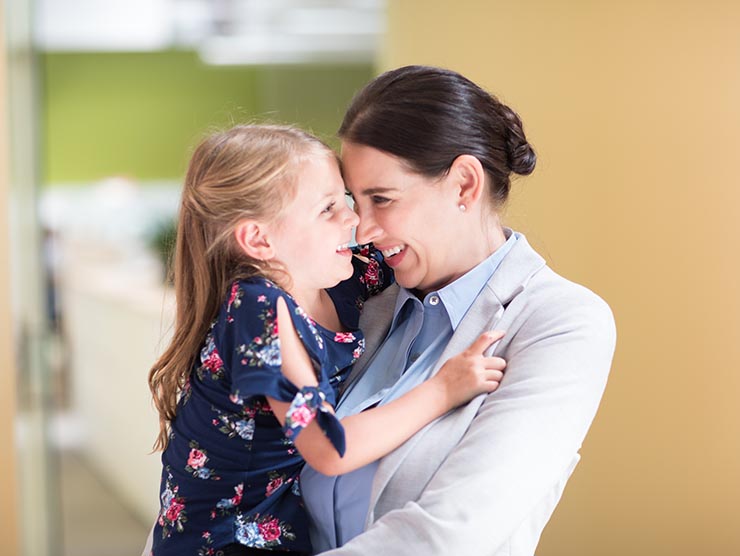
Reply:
x=230, y=471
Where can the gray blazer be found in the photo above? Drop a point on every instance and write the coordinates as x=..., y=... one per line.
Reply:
x=485, y=478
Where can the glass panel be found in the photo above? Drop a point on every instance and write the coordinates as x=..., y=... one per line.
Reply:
x=38, y=487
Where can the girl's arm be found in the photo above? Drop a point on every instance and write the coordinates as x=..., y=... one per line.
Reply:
x=378, y=431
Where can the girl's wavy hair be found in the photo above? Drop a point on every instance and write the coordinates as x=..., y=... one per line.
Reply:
x=246, y=172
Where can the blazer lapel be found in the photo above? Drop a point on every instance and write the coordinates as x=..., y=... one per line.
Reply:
x=482, y=316
x=486, y=313
x=375, y=321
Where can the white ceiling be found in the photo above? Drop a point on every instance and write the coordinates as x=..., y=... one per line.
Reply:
x=223, y=31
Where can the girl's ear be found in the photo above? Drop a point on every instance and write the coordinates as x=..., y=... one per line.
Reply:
x=469, y=179
x=251, y=238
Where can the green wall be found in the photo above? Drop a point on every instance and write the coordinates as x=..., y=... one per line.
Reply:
x=139, y=114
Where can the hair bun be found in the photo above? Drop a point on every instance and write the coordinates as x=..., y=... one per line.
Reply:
x=521, y=157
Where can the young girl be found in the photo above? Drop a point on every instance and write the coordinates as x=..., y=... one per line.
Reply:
x=245, y=389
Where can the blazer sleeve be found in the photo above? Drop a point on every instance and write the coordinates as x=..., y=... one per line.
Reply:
x=520, y=444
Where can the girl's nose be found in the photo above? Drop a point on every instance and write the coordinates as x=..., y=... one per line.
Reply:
x=352, y=218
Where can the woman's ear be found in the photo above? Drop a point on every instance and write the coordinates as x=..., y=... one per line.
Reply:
x=251, y=237
x=469, y=179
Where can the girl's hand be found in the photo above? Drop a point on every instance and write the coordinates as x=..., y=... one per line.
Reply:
x=470, y=373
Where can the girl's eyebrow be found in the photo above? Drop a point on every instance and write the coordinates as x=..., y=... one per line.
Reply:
x=324, y=199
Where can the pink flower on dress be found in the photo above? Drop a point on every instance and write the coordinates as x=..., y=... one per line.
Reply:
x=233, y=294
x=237, y=498
x=196, y=459
x=372, y=273
x=173, y=512
x=213, y=362
x=273, y=485
x=270, y=530
x=261, y=298
x=344, y=337
x=301, y=416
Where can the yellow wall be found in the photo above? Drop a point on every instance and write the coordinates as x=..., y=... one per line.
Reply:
x=634, y=108
x=8, y=495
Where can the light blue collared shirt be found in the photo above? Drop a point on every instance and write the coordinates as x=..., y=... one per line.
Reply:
x=419, y=332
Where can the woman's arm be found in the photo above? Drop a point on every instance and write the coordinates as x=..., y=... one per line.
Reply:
x=376, y=432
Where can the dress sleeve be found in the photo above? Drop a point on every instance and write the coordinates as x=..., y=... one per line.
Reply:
x=251, y=348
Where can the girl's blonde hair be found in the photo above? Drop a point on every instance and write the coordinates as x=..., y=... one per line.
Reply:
x=247, y=172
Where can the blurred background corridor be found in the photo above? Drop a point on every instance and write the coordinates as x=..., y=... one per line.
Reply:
x=632, y=107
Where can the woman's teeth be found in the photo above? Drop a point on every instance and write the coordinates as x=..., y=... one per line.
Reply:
x=392, y=251
x=343, y=247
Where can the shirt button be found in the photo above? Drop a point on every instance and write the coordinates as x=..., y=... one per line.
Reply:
x=434, y=300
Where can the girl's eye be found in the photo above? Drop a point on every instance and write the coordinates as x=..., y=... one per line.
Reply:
x=329, y=207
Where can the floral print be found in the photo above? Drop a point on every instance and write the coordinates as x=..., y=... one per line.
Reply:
x=263, y=350
x=344, y=337
x=234, y=425
x=197, y=459
x=373, y=276
x=303, y=410
x=262, y=532
x=277, y=480
x=226, y=504
x=311, y=326
x=235, y=297
x=211, y=362
x=208, y=549
x=172, y=515
x=230, y=471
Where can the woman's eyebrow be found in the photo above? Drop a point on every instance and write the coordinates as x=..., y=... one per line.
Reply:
x=377, y=190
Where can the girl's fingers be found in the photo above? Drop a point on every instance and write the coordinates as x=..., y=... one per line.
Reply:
x=480, y=344
x=496, y=363
x=494, y=376
x=495, y=335
x=484, y=341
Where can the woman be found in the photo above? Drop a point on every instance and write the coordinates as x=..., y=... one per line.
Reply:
x=427, y=156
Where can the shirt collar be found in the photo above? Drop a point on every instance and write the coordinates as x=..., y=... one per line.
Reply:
x=458, y=296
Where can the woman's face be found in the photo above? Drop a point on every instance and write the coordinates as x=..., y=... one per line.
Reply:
x=414, y=220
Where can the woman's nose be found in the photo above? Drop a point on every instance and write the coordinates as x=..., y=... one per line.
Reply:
x=367, y=230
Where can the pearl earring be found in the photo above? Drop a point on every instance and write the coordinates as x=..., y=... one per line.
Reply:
x=462, y=207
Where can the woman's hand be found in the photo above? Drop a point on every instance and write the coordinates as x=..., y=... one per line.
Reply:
x=470, y=373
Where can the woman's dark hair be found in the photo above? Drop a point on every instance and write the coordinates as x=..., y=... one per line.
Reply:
x=429, y=116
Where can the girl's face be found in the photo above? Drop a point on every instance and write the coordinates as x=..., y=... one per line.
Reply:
x=312, y=235
x=414, y=220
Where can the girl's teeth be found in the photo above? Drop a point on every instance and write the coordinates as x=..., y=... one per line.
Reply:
x=343, y=247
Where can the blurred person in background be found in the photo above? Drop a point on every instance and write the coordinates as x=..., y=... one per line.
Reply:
x=427, y=156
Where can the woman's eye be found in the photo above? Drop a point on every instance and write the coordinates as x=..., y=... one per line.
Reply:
x=379, y=200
